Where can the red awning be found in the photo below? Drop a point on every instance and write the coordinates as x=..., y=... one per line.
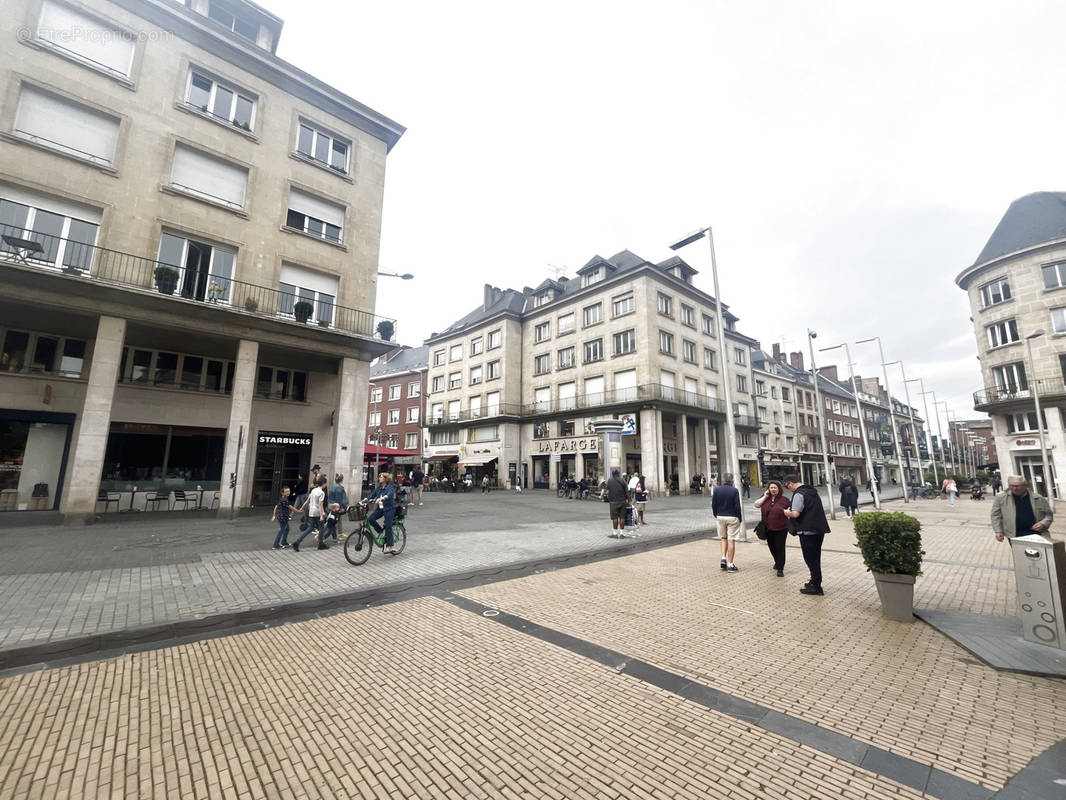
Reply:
x=381, y=453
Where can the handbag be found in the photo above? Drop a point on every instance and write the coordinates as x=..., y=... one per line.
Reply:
x=760, y=529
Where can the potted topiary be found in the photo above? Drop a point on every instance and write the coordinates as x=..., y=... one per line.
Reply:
x=166, y=279
x=303, y=311
x=251, y=304
x=386, y=329
x=891, y=545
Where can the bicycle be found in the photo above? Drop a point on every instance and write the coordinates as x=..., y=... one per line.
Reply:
x=360, y=542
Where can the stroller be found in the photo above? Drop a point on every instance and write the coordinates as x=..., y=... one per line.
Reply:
x=977, y=493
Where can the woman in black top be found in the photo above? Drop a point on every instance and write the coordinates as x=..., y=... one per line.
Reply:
x=641, y=497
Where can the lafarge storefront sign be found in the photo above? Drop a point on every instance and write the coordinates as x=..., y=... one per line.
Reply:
x=587, y=444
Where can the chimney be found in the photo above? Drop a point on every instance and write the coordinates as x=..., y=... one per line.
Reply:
x=796, y=359
x=490, y=296
x=777, y=352
x=829, y=372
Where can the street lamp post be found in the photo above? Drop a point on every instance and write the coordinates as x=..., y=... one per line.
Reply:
x=405, y=277
x=1049, y=484
x=953, y=436
x=730, y=423
x=891, y=419
x=910, y=414
x=862, y=423
x=929, y=438
x=939, y=431
x=821, y=425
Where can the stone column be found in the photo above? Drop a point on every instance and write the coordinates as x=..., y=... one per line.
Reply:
x=1055, y=440
x=553, y=473
x=707, y=449
x=240, y=416
x=349, y=423
x=87, y=458
x=685, y=473
x=579, y=466
x=651, y=457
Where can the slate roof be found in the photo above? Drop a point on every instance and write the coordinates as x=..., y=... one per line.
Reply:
x=1031, y=220
x=407, y=360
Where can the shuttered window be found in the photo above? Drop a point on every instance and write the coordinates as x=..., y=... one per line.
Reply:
x=315, y=216
x=207, y=176
x=66, y=126
x=85, y=39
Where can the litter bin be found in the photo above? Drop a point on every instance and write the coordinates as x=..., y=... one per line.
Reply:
x=1040, y=570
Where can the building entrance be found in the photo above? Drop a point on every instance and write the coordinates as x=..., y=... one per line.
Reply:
x=280, y=458
x=1032, y=469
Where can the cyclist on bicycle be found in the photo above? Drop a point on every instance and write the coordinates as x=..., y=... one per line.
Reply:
x=384, y=495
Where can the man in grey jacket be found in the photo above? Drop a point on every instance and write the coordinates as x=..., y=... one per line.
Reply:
x=1019, y=512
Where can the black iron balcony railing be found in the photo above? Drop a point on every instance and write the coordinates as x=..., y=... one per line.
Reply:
x=202, y=285
x=1045, y=387
x=633, y=394
x=486, y=413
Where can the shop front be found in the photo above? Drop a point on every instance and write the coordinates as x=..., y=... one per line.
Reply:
x=848, y=467
x=281, y=457
x=1029, y=463
x=570, y=455
x=34, y=447
x=479, y=461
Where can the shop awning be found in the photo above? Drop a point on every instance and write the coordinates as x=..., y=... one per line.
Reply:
x=477, y=459
x=443, y=457
x=381, y=453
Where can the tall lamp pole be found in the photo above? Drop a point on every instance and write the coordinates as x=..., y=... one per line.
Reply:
x=910, y=413
x=811, y=335
x=939, y=431
x=730, y=423
x=862, y=423
x=891, y=419
x=928, y=422
x=953, y=435
x=1049, y=484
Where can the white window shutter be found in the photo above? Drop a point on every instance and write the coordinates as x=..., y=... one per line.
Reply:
x=316, y=207
x=209, y=176
x=83, y=36
x=309, y=279
x=56, y=121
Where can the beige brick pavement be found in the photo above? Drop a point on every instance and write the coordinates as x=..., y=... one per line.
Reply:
x=832, y=661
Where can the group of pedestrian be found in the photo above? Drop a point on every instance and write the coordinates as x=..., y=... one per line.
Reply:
x=316, y=506
x=622, y=493
x=802, y=515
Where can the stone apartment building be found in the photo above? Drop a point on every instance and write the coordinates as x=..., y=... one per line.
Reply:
x=394, y=424
x=1017, y=293
x=190, y=238
x=515, y=384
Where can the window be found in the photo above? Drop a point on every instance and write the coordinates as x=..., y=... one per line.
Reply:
x=688, y=316
x=444, y=437
x=412, y=413
x=542, y=298
x=1054, y=275
x=1023, y=422
x=97, y=46
x=592, y=276
x=376, y=394
x=65, y=240
x=25, y=351
x=593, y=390
x=494, y=339
x=475, y=375
x=410, y=441
x=437, y=384
x=592, y=314
x=541, y=430
x=224, y=15
x=745, y=438
x=484, y=433
x=666, y=305
x=438, y=357
x=764, y=440
x=394, y=392
x=477, y=346
x=738, y=356
x=565, y=358
x=994, y=292
x=493, y=369
x=414, y=389
x=566, y=323
x=788, y=417
x=66, y=126
x=760, y=388
x=436, y=413
x=1058, y=320
x=708, y=358
x=786, y=395
x=566, y=427
x=325, y=148
x=708, y=324
x=542, y=398
x=492, y=403
x=453, y=410
x=1005, y=332
x=688, y=351
x=667, y=382
x=1010, y=377
x=625, y=342
x=204, y=272
x=623, y=305
x=541, y=364
x=223, y=102
x=317, y=292
x=195, y=172
x=314, y=216
x=542, y=332
x=666, y=343
x=394, y=417
x=274, y=383
x=474, y=405
x=455, y=380
x=567, y=395
x=455, y=353
x=742, y=383
x=625, y=385
x=773, y=392
x=593, y=350
x=375, y=419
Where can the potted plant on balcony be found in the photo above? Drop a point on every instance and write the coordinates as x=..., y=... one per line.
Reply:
x=214, y=292
x=166, y=279
x=251, y=304
x=891, y=545
x=303, y=311
x=386, y=329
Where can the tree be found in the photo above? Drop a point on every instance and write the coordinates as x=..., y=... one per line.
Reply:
x=386, y=329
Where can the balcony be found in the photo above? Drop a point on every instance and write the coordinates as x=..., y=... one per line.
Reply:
x=26, y=248
x=621, y=397
x=992, y=397
x=466, y=415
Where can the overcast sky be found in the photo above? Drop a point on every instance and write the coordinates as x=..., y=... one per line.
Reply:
x=852, y=157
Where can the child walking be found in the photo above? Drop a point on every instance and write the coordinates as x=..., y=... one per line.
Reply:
x=282, y=514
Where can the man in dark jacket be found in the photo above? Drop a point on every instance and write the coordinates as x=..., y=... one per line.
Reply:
x=725, y=505
x=807, y=521
x=618, y=499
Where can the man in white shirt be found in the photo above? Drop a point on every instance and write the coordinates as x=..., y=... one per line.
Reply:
x=315, y=514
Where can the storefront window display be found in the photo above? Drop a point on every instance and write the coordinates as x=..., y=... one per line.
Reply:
x=33, y=456
x=163, y=457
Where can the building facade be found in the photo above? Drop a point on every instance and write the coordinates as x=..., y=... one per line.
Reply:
x=515, y=384
x=1017, y=293
x=190, y=237
x=394, y=424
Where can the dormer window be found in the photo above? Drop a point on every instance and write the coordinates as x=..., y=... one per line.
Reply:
x=593, y=276
x=542, y=298
x=225, y=16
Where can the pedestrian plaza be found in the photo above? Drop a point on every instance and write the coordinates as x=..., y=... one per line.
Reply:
x=649, y=674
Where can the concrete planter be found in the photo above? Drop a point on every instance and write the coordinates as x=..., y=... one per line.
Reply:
x=897, y=596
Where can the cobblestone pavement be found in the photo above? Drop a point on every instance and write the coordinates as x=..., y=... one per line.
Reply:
x=426, y=699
